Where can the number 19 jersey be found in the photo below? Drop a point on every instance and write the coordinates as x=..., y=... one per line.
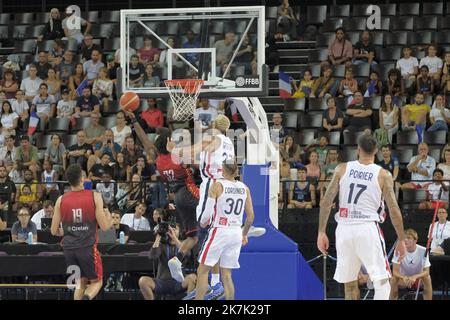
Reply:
x=230, y=205
x=360, y=195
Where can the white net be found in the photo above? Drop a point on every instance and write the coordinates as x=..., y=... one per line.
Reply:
x=184, y=94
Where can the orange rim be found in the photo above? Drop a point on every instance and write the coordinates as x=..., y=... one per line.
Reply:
x=189, y=85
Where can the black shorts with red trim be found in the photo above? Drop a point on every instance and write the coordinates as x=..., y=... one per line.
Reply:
x=186, y=205
x=88, y=260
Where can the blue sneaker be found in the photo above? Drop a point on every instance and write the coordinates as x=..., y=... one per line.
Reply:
x=191, y=295
x=217, y=292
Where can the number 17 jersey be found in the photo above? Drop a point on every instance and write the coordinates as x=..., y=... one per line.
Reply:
x=230, y=205
x=360, y=195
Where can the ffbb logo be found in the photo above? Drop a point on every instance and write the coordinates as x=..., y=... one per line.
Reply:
x=247, y=82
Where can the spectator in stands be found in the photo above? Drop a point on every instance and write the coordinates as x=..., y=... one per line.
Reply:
x=445, y=81
x=439, y=115
x=9, y=84
x=408, y=65
x=424, y=83
x=287, y=21
x=20, y=107
x=87, y=47
x=8, y=152
x=65, y=106
x=43, y=65
x=46, y=212
x=246, y=56
x=374, y=86
x=66, y=68
x=277, y=131
x=106, y=188
x=364, y=50
x=120, y=227
x=103, y=88
x=142, y=168
x=53, y=28
x=44, y=104
x=320, y=146
x=414, y=116
x=94, y=131
x=191, y=42
x=204, y=115
x=389, y=162
x=131, y=52
x=313, y=166
x=421, y=168
x=87, y=104
x=176, y=61
x=305, y=86
x=302, y=193
x=433, y=63
x=360, y=116
x=31, y=84
x=106, y=145
x=148, y=54
x=348, y=86
x=120, y=168
x=394, y=86
x=56, y=153
x=436, y=190
x=131, y=151
x=92, y=67
x=340, y=50
x=325, y=84
x=152, y=118
x=80, y=152
x=97, y=170
x=135, y=191
x=9, y=119
x=30, y=192
x=444, y=166
x=388, y=116
x=135, y=220
x=56, y=53
x=121, y=130
x=441, y=230
x=150, y=80
x=112, y=68
x=7, y=192
x=75, y=80
x=21, y=228
x=327, y=170
x=27, y=156
x=407, y=272
x=50, y=176
x=332, y=118
x=224, y=51
x=53, y=84
x=136, y=71
x=291, y=151
x=73, y=30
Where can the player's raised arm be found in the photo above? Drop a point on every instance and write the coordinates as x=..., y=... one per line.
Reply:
x=103, y=216
x=146, y=143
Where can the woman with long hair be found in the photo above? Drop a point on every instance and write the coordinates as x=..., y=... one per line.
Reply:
x=54, y=84
x=9, y=84
x=9, y=119
x=313, y=166
x=388, y=116
x=75, y=80
x=290, y=151
x=103, y=88
x=56, y=153
x=120, y=168
x=53, y=28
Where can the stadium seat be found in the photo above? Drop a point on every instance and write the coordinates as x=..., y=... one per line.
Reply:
x=58, y=125
x=443, y=37
x=290, y=120
x=110, y=16
x=409, y=9
x=348, y=153
x=351, y=138
x=428, y=23
x=5, y=18
x=316, y=14
x=272, y=12
x=413, y=195
x=407, y=137
x=93, y=16
x=42, y=17
x=305, y=136
x=111, y=44
x=390, y=54
x=42, y=140
x=24, y=18
x=4, y=32
x=377, y=38
x=217, y=27
x=324, y=39
x=355, y=24
x=388, y=9
x=402, y=23
x=404, y=155
x=310, y=120
x=334, y=137
x=34, y=31
x=108, y=122
x=385, y=24
x=27, y=46
x=338, y=71
x=113, y=108
x=316, y=104
x=374, y=102
x=318, y=55
x=361, y=70
x=341, y=10
x=396, y=38
x=315, y=70
x=104, y=30
x=81, y=124
x=360, y=10
x=420, y=38
x=435, y=152
x=295, y=104
x=434, y=8
x=70, y=140
x=330, y=25
x=435, y=137
x=19, y=32
x=352, y=36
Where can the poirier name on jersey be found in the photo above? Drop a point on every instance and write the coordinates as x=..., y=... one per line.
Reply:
x=360, y=195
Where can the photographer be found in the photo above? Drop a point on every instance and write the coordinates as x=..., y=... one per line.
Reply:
x=164, y=248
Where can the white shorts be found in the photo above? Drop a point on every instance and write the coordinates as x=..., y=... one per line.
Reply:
x=204, y=190
x=357, y=245
x=224, y=245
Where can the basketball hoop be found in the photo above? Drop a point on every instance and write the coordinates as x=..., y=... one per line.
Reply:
x=183, y=93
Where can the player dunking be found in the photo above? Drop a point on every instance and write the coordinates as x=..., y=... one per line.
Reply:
x=224, y=210
x=362, y=185
x=81, y=212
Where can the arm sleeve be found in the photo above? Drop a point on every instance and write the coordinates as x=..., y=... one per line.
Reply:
x=155, y=253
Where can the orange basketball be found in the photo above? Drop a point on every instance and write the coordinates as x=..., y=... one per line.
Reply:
x=129, y=101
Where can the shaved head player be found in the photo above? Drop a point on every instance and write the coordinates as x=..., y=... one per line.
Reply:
x=81, y=212
x=362, y=185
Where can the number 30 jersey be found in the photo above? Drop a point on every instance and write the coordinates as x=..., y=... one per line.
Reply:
x=230, y=205
x=360, y=195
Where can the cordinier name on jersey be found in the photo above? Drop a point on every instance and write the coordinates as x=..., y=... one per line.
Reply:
x=361, y=175
x=231, y=190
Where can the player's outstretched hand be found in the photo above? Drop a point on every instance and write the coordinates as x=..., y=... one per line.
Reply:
x=400, y=250
x=244, y=240
x=323, y=243
x=170, y=144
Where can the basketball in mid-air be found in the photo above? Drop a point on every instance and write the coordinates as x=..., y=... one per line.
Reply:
x=129, y=101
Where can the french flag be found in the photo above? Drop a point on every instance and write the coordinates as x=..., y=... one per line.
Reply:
x=34, y=121
x=285, y=85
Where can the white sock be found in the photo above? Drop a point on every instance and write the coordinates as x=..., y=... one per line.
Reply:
x=382, y=289
x=215, y=279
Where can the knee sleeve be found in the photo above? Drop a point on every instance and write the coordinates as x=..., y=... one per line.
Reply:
x=382, y=289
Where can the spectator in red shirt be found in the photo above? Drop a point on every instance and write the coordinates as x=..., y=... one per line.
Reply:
x=147, y=54
x=152, y=118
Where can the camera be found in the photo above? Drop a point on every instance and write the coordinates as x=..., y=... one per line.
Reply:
x=167, y=219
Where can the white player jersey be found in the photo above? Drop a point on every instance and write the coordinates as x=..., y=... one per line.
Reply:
x=211, y=162
x=360, y=195
x=230, y=205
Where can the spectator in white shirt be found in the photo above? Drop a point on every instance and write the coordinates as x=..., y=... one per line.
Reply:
x=46, y=212
x=73, y=30
x=92, y=67
x=106, y=188
x=414, y=267
x=120, y=130
x=205, y=115
x=135, y=220
x=441, y=229
x=8, y=152
x=436, y=190
x=439, y=115
x=9, y=119
x=433, y=63
x=408, y=65
x=44, y=104
x=421, y=167
x=30, y=85
x=65, y=106
x=21, y=107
